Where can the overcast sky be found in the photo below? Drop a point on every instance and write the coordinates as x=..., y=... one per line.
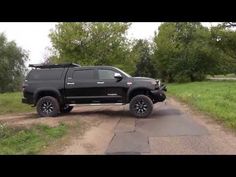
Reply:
x=33, y=37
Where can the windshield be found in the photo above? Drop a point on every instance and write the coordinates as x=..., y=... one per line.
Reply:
x=126, y=74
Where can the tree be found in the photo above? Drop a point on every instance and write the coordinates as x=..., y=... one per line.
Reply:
x=141, y=52
x=91, y=44
x=184, y=52
x=12, y=68
x=224, y=39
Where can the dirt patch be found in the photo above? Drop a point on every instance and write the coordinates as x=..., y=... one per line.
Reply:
x=30, y=119
x=76, y=130
x=94, y=140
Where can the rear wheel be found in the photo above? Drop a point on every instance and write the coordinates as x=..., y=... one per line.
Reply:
x=141, y=106
x=48, y=106
x=66, y=108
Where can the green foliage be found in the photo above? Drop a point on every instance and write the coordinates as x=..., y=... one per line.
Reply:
x=11, y=103
x=28, y=141
x=224, y=39
x=12, y=68
x=185, y=52
x=218, y=99
x=181, y=52
x=92, y=44
x=141, y=53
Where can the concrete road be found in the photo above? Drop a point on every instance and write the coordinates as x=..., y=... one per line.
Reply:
x=173, y=128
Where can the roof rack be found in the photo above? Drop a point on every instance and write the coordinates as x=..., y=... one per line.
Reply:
x=54, y=65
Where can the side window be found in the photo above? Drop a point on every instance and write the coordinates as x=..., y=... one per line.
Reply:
x=45, y=74
x=105, y=74
x=83, y=75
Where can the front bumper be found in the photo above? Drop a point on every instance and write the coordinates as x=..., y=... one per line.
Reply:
x=159, y=94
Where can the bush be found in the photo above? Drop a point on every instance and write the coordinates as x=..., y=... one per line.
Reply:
x=180, y=78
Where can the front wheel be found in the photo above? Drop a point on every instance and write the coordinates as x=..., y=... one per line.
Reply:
x=66, y=108
x=141, y=106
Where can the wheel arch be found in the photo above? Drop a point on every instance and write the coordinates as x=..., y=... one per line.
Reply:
x=47, y=92
x=138, y=91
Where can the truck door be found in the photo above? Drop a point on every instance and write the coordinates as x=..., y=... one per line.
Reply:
x=111, y=90
x=80, y=86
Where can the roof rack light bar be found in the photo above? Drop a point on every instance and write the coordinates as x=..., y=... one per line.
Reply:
x=54, y=65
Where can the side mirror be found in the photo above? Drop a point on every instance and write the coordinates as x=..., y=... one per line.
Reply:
x=118, y=76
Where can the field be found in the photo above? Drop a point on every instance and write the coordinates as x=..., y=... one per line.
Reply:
x=28, y=141
x=11, y=103
x=217, y=99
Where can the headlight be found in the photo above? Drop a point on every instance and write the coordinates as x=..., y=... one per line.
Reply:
x=158, y=83
x=154, y=82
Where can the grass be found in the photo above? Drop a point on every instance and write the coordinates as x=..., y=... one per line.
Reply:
x=24, y=141
x=11, y=103
x=217, y=99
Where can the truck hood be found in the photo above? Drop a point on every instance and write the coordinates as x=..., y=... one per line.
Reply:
x=143, y=79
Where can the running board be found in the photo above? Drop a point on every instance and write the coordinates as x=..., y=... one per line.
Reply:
x=99, y=104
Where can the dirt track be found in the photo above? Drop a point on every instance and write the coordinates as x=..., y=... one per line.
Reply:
x=172, y=128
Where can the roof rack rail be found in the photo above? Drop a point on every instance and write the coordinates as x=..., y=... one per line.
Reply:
x=54, y=65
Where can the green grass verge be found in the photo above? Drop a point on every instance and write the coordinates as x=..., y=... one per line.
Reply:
x=11, y=103
x=217, y=99
x=15, y=141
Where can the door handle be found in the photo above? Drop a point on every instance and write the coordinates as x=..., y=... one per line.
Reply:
x=70, y=83
x=100, y=82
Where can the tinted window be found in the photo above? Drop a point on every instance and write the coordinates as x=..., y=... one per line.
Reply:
x=45, y=74
x=87, y=74
x=106, y=74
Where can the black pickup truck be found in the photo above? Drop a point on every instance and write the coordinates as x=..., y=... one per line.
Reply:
x=55, y=88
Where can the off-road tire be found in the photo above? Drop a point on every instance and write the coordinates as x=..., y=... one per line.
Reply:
x=48, y=107
x=141, y=106
x=66, y=109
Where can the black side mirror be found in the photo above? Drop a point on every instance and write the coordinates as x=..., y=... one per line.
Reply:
x=118, y=76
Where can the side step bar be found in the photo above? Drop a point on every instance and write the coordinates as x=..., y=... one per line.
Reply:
x=98, y=104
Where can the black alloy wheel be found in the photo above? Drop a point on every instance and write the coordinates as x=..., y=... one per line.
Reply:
x=47, y=106
x=141, y=106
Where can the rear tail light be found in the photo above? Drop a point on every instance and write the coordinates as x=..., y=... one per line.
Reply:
x=24, y=86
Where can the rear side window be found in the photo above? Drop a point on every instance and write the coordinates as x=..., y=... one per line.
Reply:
x=45, y=74
x=87, y=74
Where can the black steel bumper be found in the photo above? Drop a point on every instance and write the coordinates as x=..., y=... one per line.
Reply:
x=159, y=94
